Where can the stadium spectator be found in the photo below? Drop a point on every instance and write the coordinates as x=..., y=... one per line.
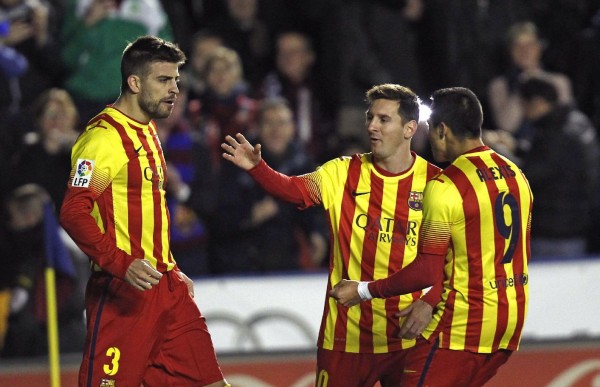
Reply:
x=369, y=55
x=180, y=140
x=260, y=233
x=295, y=80
x=226, y=107
x=45, y=158
x=244, y=31
x=525, y=48
x=31, y=27
x=27, y=229
x=203, y=45
x=586, y=79
x=461, y=43
x=92, y=37
x=563, y=216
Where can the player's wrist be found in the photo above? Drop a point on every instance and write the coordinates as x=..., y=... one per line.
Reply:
x=363, y=291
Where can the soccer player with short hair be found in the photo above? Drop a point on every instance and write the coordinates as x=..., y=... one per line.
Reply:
x=373, y=207
x=143, y=326
x=476, y=230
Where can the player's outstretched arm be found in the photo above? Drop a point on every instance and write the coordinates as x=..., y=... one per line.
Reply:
x=240, y=152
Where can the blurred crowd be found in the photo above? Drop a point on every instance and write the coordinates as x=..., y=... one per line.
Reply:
x=292, y=76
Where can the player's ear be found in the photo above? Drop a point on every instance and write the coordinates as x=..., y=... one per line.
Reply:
x=410, y=128
x=442, y=129
x=134, y=82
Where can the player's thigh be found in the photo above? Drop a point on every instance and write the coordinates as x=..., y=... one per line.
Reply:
x=112, y=353
x=187, y=355
x=428, y=365
x=391, y=367
x=360, y=369
x=187, y=360
x=490, y=366
x=343, y=369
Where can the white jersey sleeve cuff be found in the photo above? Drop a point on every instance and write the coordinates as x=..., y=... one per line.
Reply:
x=363, y=291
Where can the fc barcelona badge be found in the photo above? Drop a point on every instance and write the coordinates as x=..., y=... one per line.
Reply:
x=415, y=200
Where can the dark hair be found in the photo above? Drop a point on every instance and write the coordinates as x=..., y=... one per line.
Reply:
x=268, y=104
x=55, y=94
x=407, y=99
x=459, y=108
x=538, y=87
x=144, y=51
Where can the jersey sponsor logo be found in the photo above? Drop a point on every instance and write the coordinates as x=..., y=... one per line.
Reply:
x=107, y=383
x=138, y=149
x=156, y=177
x=388, y=230
x=83, y=173
x=517, y=280
x=355, y=194
x=415, y=200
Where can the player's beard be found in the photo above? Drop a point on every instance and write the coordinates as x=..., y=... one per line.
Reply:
x=155, y=108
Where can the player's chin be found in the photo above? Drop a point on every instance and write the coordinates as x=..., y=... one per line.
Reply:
x=163, y=111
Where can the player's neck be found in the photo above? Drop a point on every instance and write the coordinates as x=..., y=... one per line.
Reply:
x=465, y=146
x=396, y=164
x=128, y=105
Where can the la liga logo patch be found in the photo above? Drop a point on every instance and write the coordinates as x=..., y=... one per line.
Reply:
x=83, y=173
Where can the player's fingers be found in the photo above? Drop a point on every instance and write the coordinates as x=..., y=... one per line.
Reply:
x=230, y=141
x=142, y=284
x=240, y=138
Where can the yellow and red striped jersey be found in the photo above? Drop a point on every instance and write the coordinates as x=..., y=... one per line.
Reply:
x=374, y=219
x=115, y=207
x=478, y=214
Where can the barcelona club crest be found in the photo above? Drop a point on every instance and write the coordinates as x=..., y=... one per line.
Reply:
x=415, y=200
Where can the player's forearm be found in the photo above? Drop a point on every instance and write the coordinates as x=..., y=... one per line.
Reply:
x=434, y=295
x=281, y=186
x=81, y=227
x=420, y=274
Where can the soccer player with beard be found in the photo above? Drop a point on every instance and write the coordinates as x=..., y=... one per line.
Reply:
x=143, y=324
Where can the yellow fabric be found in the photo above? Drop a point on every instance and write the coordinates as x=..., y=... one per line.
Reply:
x=372, y=227
x=129, y=172
x=478, y=214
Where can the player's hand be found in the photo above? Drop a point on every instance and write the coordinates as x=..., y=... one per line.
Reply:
x=418, y=315
x=346, y=293
x=141, y=275
x=188, y=282
x=240, y=152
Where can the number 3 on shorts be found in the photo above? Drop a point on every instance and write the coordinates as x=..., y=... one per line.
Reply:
x=112, y=368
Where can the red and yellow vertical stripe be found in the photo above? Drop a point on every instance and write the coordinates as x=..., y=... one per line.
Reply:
x=374, y=233
x=479, y=217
